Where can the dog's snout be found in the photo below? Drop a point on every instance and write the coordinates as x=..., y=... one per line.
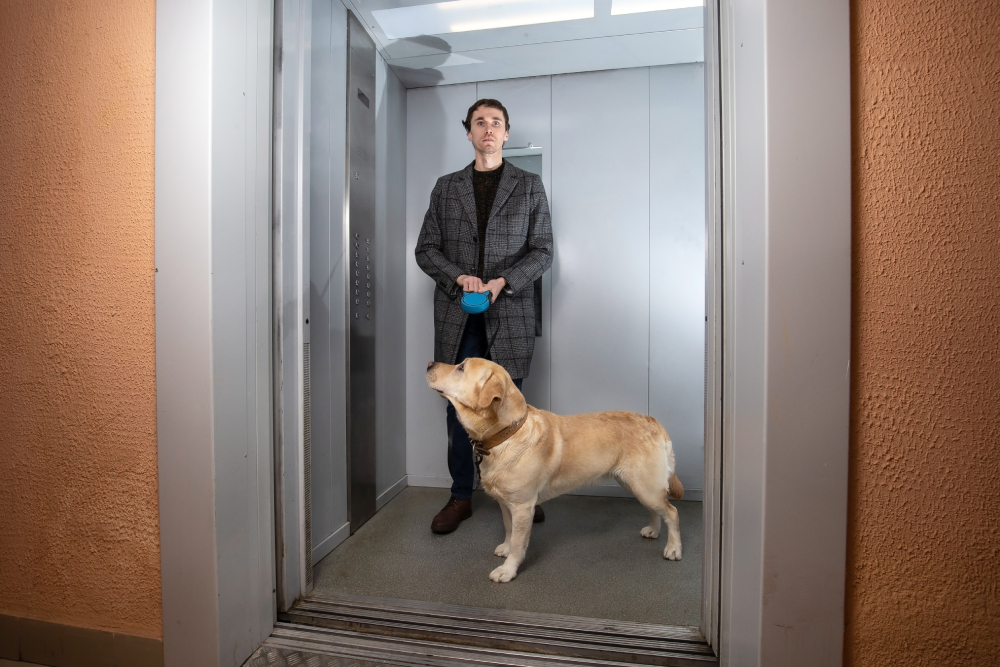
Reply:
x=431, y=364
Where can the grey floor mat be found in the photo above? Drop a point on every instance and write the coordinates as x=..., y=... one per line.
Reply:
x=586, y=559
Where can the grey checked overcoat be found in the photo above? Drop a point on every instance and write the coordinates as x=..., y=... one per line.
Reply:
x=518, y=248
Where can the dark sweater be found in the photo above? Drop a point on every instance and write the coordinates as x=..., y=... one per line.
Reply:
x=484, y=186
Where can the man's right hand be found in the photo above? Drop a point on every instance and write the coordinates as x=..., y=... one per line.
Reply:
x=471, y=284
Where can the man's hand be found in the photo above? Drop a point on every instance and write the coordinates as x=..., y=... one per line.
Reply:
x=470, y=283
x=494, y=286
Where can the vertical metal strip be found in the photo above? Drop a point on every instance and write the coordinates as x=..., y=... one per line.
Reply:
x=307, y=459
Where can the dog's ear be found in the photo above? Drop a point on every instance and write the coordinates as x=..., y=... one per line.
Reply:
x=492, y=390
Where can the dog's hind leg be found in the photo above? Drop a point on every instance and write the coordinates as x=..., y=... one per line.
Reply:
x=503, y=550
x=658, y=505
x=521, y=516
x=673, y=549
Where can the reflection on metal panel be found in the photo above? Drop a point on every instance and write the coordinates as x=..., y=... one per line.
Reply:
x=600, y=222
x=361, y=237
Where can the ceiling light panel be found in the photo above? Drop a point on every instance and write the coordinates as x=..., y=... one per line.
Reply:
x=467, y=15
x=620, y=7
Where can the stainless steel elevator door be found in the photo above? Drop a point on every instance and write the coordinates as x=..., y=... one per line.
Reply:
x=361, y=293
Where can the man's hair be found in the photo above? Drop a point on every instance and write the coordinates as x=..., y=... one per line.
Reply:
x=486, y=102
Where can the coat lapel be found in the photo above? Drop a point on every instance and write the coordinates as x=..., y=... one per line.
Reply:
x=466, y=195
x=507, y=183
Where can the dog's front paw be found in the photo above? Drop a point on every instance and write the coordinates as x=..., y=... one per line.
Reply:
x=649, y=532
x=672, y=552
x=502, y=550
x=503, y=574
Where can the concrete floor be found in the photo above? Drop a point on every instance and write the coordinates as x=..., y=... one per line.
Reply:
x=587, y=559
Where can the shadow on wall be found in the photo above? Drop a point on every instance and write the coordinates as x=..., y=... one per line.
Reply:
x=425, y=76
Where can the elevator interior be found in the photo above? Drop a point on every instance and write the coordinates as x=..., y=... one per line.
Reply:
x=609, y=110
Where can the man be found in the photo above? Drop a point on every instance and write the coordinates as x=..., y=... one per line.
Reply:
x=487, y=229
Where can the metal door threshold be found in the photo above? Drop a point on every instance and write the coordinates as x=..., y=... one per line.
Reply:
x=420, y=633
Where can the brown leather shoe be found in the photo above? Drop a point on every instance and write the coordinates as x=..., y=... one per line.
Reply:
x=539, y=514
x=454, y=513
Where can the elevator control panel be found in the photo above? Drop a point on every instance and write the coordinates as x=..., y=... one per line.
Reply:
x=362, y=278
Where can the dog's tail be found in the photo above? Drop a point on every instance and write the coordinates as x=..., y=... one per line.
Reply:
x=674, y=487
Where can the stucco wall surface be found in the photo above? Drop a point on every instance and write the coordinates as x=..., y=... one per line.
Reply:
x=924, y=553
x=78, y=497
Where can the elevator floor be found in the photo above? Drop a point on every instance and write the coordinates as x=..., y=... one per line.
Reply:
x=587, y=559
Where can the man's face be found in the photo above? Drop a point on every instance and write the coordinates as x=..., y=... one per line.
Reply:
x=488, y=130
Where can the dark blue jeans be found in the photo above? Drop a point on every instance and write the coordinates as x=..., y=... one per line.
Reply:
x=461, y=463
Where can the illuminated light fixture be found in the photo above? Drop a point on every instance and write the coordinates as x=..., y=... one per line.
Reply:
x=619, y=7
x=467, y=15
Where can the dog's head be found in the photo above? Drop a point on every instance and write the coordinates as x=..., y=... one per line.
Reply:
x=482, y=392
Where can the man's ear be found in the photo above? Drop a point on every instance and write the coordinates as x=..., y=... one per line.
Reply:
x=492, y=390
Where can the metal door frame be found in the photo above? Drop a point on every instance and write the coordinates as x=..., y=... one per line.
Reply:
x=784, y=154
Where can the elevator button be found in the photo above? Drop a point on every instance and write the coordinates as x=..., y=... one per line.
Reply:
x=368, y=317
x=357, y=301
x=355, y=316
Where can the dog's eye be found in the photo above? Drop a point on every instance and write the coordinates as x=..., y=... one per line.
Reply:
x=460, y=367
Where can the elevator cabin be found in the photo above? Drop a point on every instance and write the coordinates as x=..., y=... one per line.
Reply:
x=607, y=106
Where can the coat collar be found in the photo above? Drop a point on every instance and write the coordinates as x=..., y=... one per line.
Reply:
x=466, y=195
x=508, y=180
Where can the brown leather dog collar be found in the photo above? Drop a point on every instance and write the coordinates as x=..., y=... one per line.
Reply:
x=483, y=447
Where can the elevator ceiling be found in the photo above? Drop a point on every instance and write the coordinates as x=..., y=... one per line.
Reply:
x=558, y=46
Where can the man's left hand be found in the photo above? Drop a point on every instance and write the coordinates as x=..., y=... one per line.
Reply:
x=494, y=286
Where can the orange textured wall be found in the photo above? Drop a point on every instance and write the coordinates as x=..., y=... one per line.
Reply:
x=923, y=547
x=79, y=536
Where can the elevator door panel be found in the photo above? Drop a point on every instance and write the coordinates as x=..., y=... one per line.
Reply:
x=327, y=284
x=600, y=214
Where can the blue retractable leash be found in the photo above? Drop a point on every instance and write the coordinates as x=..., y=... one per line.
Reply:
x=477, y=303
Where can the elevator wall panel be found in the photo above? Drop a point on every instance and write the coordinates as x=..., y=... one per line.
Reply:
x=436, y=144
x=327, y=145
x=600, y=223
x=623, y=158
x=390, y=281
x=677, y=274
x=529, y=104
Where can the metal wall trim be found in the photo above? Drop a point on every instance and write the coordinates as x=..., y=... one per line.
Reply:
x=360, y=227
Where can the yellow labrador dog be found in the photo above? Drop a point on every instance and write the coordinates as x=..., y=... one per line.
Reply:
x=530, y=455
